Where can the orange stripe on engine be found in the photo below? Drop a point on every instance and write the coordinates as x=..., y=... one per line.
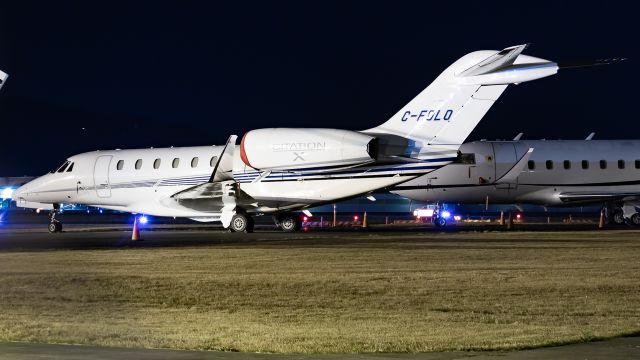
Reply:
x=243, y=154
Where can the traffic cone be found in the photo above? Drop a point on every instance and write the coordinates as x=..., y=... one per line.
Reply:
x=135, y=235
x=364, y=220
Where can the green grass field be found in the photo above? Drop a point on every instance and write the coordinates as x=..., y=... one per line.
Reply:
x=331, y=293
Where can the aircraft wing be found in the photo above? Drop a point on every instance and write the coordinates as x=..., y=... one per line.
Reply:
x=224, y=167
x=594, y=196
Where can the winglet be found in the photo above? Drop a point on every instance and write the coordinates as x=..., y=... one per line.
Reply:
x=518, y=137
x=3, y=78
x=224, y=167
x=512, y=175
x=590, y=136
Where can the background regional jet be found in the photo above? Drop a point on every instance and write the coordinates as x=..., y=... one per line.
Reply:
x=277, y=171
x=543, y=172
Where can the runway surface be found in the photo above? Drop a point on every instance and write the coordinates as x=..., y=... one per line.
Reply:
x=621, y=348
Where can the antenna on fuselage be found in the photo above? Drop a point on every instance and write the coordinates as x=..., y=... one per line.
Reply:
x=518, y=137
x=590, y=136
x=589, y=63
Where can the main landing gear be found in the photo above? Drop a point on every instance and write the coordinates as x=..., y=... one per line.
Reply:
x=241, y=223
x=622, y=213
x=54, y=225
x=288, y=222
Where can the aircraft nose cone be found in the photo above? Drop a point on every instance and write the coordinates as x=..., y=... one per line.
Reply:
x=17, y=193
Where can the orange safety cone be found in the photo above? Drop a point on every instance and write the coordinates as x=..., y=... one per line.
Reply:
x=135, y=235
x=364, y=220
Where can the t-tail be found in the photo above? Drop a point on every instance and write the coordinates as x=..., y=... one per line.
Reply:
x=444, y=114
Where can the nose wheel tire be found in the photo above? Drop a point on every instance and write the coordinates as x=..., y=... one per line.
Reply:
x=241, y=223
x=290, y=223
x=55, y=227
x=635, y=219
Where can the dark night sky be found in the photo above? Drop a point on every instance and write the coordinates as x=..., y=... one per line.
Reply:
x=140, y=74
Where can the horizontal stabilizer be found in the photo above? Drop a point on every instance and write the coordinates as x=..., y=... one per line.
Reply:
x=511, y=177
x=495, y=62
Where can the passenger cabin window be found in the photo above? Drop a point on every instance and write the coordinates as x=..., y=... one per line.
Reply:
x=175, y=163
x=566, y=164
x=549, y=164
x=466, y=159
x=138, y=164
x=531, y=164
x=120, y=164
x=194, y=162
x=637, y=164
x=213, y=161
x=70, y=168
x=585, y=164
x=620, y=164
x=603, y=164
x=156, y=163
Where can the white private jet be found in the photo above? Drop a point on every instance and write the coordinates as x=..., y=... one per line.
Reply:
x=276, y=171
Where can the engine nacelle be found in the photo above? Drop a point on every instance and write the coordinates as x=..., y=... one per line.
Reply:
x=291, y=149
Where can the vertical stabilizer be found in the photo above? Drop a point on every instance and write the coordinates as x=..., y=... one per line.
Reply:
x=446, y=112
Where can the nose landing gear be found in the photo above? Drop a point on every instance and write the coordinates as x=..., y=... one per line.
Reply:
x=54, y=225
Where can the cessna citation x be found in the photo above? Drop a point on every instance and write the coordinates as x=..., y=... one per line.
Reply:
x=556, y=173
x=277, y=171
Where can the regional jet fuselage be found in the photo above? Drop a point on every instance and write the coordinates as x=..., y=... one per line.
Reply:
x=554, y=173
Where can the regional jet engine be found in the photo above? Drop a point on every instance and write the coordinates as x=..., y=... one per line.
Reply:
x=313, y=149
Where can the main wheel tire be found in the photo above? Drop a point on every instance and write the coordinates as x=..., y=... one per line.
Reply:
x=239, y=223
x=617, y=217
x=289, y=223
x=635, y=219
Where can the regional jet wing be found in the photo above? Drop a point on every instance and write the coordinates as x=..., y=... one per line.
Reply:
x=593, y=196
x=511, y=177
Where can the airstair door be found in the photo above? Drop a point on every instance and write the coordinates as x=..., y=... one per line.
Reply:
x=101, y=176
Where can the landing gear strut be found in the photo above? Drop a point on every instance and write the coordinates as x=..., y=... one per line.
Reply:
x=54, y=225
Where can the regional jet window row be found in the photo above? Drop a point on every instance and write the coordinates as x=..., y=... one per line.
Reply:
x=157, y=162
x=566, y=164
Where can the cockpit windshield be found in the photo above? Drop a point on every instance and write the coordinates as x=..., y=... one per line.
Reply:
x=61, y=167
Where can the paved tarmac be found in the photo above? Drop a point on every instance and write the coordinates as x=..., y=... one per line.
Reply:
x=34, y=237
x=621, y=348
